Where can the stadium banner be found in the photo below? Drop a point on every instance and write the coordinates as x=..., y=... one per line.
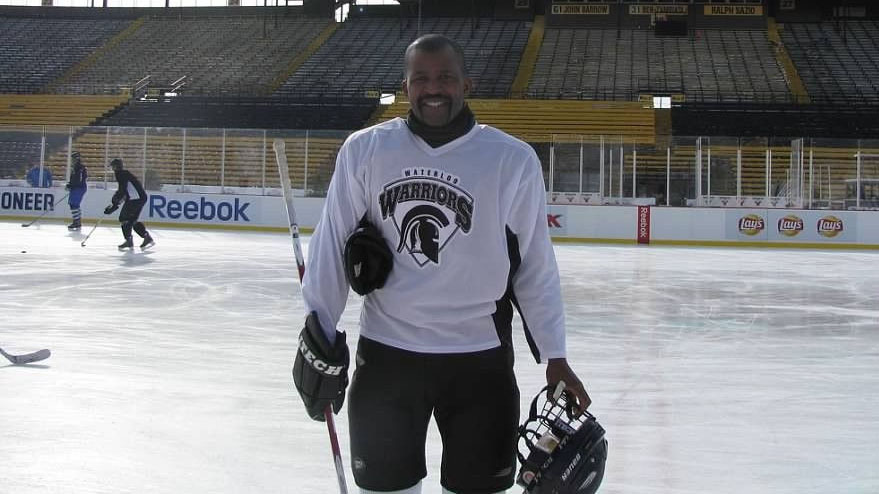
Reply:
x=658, y=9
x=627, y=224
x=743, y=10
x=181, y=208
x=812, y=226
x=643, y=234
x=746, y=224
x=577, y=9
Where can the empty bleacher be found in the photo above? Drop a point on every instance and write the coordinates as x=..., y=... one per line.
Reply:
x=246, y=113
x=837, y=64
x=24, y=117
x=610, y=64
x=775, y=120
x=366, y=55
x=19, y=149
x=238, y=55
x=537, y=120
x=55, y=109
x=36, y=50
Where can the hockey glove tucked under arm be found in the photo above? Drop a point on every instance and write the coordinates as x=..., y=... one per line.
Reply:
x=320, y=372
x=368, y=260
x=109, y=209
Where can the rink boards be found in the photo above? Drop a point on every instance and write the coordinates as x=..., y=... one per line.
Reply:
x=579, y=223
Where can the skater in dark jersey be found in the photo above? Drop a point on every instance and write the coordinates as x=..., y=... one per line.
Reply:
x=132, y=193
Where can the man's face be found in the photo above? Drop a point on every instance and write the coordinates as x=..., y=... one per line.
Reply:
x=436, y=86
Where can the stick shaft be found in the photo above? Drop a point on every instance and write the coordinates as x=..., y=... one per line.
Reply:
x=286, y=188
x=38, y=218
x=97, y=223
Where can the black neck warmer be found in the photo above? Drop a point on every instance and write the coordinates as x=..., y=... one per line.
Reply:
x=437, y=136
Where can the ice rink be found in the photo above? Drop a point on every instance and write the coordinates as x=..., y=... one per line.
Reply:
x=715, y=371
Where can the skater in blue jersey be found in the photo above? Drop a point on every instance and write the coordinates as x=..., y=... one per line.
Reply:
x=77, y=188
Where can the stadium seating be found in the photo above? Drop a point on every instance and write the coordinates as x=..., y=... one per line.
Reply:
x=836, y=65
x=537, y=120
x=610, y=64
x=35, y=50
x=246, y=112
x=274, y=69
x=366, y=55
x=53, y=109
x=217, y=55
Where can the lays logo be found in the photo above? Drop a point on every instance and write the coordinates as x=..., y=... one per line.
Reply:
x=791, y=225
x=829, y=226
x=751, y=224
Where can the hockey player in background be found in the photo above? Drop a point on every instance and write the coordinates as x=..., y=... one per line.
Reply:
x=77, y=188
x=441, y=224
x=130, y=192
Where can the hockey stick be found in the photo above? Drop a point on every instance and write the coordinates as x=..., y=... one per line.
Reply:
x=38, y=218
x=281, y=155
x=92, y=231
x=28, y=357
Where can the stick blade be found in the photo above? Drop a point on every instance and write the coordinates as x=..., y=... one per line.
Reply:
x=28, y=358
x=34, y=357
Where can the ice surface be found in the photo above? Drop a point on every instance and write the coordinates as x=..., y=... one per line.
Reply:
x=722, y=371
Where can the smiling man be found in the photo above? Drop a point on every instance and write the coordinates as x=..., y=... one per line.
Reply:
x=436, y=82
x=440, y=223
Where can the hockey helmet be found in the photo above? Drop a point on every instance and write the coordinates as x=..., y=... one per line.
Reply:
x=561, y=452
x=116, y=163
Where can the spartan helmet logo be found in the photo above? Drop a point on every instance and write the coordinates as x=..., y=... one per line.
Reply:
x=428, y=208
x=420, y=231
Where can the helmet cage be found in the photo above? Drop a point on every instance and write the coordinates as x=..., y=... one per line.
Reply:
x=560, y=452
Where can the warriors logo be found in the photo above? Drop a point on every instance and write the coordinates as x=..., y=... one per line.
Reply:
x=428, y=208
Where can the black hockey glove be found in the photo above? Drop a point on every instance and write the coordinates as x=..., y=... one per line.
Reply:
x=368, y=260
x=319, y=371
x=109, y=209
x=67, y=187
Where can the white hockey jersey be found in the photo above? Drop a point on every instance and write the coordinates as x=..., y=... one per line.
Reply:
x=458, y=219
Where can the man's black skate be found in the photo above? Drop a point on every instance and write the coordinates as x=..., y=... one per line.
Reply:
x=147, y=242
x=128, y=244
x=75, y=226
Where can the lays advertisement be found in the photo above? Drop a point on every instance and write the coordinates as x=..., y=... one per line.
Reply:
x=790, y=226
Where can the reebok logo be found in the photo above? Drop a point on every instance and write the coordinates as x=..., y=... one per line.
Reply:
x=203, y=209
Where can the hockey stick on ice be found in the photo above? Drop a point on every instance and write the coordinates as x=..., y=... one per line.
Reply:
x=97, y=223
x=28, y=357
x=38, y=218
x=281, y=156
